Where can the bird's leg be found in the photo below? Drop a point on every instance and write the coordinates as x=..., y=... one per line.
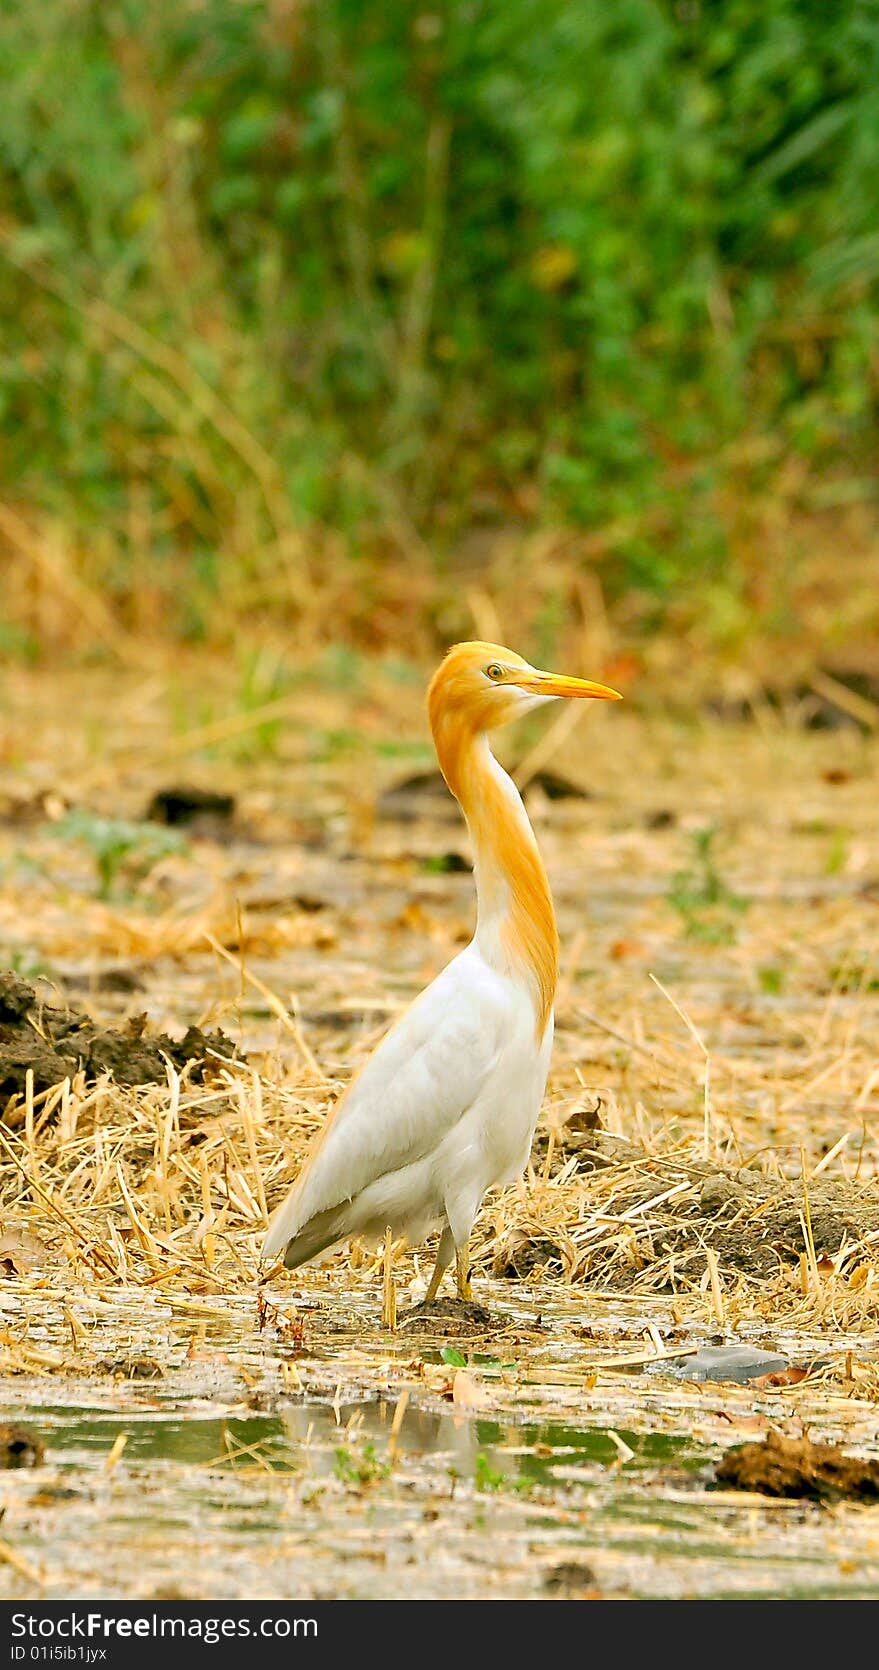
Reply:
x=462, y=1265
x=443, y=1260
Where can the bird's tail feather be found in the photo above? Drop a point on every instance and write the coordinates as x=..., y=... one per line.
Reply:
x=312, y=1238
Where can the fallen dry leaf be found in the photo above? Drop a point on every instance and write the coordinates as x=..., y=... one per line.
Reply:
x=21, y=1251
x=467, y=1393
x=622, y=948
x=783, y=1377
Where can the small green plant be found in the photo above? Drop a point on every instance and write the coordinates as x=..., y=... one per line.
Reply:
x=855, y=976
x=487, y=1478
x=264, y=680
x=837, y=853
x=18, y=644
x=445, y=864
x=118, y=847
x=23, y=866
x=403, y=748
x=360, y=1467
x=29, y=965
x=706, y=905
x=772, y=979
x=336, y=743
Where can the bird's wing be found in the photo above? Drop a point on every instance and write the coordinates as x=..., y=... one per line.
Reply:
x=423, y=1077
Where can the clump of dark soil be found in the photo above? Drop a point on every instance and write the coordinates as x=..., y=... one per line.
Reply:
x=571, y=1580
x=529, y=1255
x=450, y=1317
x=132, y=1368
x=19, y=1448
x=795, y=1467
x=55, y=1043
x=425, y=795
x=752, y=1221
x=182, y=807
x=838, y=698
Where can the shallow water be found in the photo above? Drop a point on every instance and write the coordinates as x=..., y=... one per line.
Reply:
x=256, y=1467
x=231, y=1486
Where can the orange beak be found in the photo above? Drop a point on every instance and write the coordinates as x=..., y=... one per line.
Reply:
x=557, y=684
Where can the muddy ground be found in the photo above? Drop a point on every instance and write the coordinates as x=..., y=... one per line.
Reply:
x=45, y=1043
x=269, y=885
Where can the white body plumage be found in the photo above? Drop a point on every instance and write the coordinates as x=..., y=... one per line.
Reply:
x=446, y=1106
x=444, y=1109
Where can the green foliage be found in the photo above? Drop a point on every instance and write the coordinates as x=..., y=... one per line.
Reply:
x=837, y=853
x=401, y=270
x=17, y=644
x=444, y=864
x=119, y=849
x=359, y=1467
x=29, y=964
x=488, y=1479
x=263, y=682
x=704, y=902
x=855, y=976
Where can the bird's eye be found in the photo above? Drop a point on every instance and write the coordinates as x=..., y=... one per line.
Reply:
x=494, y=671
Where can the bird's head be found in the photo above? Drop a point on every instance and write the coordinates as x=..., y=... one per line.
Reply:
x=483, y=686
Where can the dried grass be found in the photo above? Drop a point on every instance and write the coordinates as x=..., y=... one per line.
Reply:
x=168, y=1187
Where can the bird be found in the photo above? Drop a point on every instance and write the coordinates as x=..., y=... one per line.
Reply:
x=445, y=1107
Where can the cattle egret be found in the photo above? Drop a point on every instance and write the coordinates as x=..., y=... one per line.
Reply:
x=446, y=1106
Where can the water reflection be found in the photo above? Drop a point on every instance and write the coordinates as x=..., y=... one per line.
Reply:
x=308, y=1435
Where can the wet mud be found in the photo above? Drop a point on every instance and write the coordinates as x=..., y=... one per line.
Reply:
x=54, y=1043
x=795, y=1467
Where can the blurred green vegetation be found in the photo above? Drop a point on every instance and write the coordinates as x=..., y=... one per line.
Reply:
x=294, y=294
x=119, y=849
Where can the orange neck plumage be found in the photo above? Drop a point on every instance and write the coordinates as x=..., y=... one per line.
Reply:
x=516, y=916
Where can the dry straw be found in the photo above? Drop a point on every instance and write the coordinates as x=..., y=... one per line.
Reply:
x=691, y=1167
